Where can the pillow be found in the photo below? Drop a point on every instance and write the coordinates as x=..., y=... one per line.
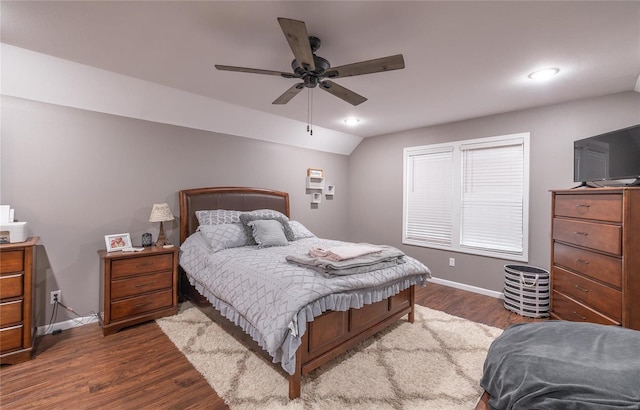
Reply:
x=225, y=236
x=249, y=217
x=224, y=216
x=268, y=232
x=270, y=213
x=218, y=216
x=300, y=231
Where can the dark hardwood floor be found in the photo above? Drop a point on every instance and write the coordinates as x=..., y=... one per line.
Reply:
x=139, y=367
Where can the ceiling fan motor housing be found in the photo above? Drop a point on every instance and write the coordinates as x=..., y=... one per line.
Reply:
x=322, y=65
x=311, y=77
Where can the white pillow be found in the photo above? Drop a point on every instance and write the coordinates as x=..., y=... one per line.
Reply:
x=268, y=232
x=268, y=213
x=224, y=236
x=300, y=231
x=217, y=217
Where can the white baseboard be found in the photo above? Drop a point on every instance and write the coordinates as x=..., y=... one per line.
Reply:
x=81, y=321
x=474, y=289
x=67, y=324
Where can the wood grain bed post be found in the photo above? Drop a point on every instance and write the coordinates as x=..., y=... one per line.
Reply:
x=412, y=303
x=295, y=379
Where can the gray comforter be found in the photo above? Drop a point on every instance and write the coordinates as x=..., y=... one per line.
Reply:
x=564, y=365
x=272, y=300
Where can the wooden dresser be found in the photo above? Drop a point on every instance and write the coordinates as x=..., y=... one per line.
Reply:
x=17, y=271
x=137, y=286
x=595, y=256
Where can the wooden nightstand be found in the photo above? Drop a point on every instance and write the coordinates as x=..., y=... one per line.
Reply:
x=17, y=268
x=136, y=287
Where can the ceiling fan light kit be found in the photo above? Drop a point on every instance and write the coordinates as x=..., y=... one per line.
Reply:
x=314, y=70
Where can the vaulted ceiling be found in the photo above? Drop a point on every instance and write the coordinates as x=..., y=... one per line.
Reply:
x=463, y=59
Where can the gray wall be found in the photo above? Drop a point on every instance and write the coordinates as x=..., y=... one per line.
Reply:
x=77, y=175
x=375, y=174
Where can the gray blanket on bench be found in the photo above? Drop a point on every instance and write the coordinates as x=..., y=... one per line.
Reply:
x=564, y=365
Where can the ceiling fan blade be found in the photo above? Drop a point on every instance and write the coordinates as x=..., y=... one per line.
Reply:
x=296, y=33
x=255, y=71
x=343, y=93
x=289, y=94
x=367, y=67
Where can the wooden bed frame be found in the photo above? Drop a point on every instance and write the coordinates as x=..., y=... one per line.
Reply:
x=330, y=334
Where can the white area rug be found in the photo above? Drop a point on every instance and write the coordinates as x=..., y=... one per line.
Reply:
x=434, y=363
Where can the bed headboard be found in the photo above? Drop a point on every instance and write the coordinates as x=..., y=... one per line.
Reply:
x=232, y=198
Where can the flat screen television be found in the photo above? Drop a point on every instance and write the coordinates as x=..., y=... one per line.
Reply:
x=606, y=157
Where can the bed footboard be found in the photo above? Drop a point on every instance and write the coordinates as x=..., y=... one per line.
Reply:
x=334, y=332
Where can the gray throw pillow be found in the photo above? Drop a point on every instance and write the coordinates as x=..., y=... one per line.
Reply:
x=248, y=217
x=268, y=232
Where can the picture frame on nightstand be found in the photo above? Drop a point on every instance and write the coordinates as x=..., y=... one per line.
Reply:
x=117, y=242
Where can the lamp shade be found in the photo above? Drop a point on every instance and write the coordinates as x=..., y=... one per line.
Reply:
x=161, y=213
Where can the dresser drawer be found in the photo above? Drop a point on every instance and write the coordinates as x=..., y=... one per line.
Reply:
x=569, y=309
x=140, y=284
x=598, y=236
x=139, y=265
x=11, y=338
x=604, y=207
x=596, y=265
x=12, y=261
x=11, y=285
x=593, y=294
x=10, y=313
x=141, y=304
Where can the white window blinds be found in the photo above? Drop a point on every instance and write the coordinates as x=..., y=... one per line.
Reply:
x=492, y=197
x=429, y=196
x=469, y=196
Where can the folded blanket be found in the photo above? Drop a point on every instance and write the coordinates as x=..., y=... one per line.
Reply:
x=386, y=257
x=340, y=253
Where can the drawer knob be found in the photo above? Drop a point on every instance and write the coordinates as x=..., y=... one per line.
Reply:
x=582, y=261
x=142, y=304
x=140, y=285
x=579, y=315
x=582, y=206
x=581, y=233
x=581, y=289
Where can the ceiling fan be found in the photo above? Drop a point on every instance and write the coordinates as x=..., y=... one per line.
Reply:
x=314, y=70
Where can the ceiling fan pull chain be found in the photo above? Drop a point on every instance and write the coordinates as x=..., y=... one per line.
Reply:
x=311, y=111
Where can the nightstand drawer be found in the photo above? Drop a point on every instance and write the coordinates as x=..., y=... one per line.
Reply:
x=598, y=236
x=12, y=261
x=600, y=297
x=141, y=304
x=10, y=313
x=607, y=207
x=11, y=285
x=569, y=309
x=139, y=265
x=596, y=265
x=140, y=284
x=11, y=338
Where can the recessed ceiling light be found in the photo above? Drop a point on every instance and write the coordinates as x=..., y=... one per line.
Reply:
x=352, y=121
x=544, y=74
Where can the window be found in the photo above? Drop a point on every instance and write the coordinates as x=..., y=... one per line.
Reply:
x=469, y=196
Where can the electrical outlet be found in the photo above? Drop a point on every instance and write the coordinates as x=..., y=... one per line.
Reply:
x=452, y=261
x=55, y=294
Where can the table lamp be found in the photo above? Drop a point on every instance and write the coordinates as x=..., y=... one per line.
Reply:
x=161, y=213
